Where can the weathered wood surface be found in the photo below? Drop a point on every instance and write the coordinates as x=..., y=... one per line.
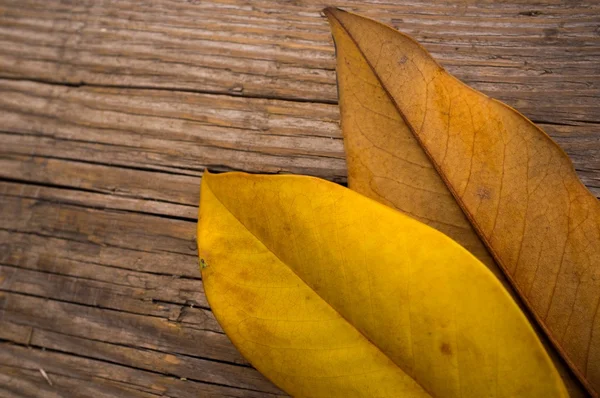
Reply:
x=111, y=110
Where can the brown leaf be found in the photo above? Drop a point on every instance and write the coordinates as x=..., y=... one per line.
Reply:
x=419, y=140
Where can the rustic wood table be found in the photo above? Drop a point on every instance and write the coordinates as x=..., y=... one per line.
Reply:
x=111, y=110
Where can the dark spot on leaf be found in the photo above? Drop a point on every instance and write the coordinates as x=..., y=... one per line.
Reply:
x=484, y=193
x=445, y=348
x=403, y=60
x=244, y=274
x=203, y=264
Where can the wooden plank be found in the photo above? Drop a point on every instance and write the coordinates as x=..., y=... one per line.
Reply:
x=108, y=127
x=119, y=306
x=282, y=49
x=90, y=253
x=165, y=339
x=194, y=369
x=89, y=291
x=92, y=199
x=55, y=284
x=80, y=376
x=175, y=132
x=117, y=229
x=54, y=273
x=20, y=334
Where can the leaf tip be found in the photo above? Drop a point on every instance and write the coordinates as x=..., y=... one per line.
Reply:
x=208, y=176
x=331, y=12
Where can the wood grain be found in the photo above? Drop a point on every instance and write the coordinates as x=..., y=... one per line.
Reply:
x=109, y=113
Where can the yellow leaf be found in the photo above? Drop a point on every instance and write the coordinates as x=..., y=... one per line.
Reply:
x=331, y=294
x=423, y=142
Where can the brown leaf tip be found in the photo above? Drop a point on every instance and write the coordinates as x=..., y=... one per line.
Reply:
x=330, y=12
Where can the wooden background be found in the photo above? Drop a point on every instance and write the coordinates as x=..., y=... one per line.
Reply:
x=111, y=110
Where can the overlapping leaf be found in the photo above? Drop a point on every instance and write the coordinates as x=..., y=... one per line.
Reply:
x=329, y=293
x=419, y=140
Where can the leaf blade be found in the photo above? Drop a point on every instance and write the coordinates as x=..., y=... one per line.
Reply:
x=470, y=158
x=379, y=283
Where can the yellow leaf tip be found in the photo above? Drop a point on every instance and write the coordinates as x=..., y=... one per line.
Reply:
x=208, y=176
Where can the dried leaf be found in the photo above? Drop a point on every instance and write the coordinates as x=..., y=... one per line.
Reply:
x=329, y=293
x=423, y=142
x=387, y=163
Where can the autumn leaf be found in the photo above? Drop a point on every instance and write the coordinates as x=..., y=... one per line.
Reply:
x=329, y=293
x=387, y=163
x=419, y=140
